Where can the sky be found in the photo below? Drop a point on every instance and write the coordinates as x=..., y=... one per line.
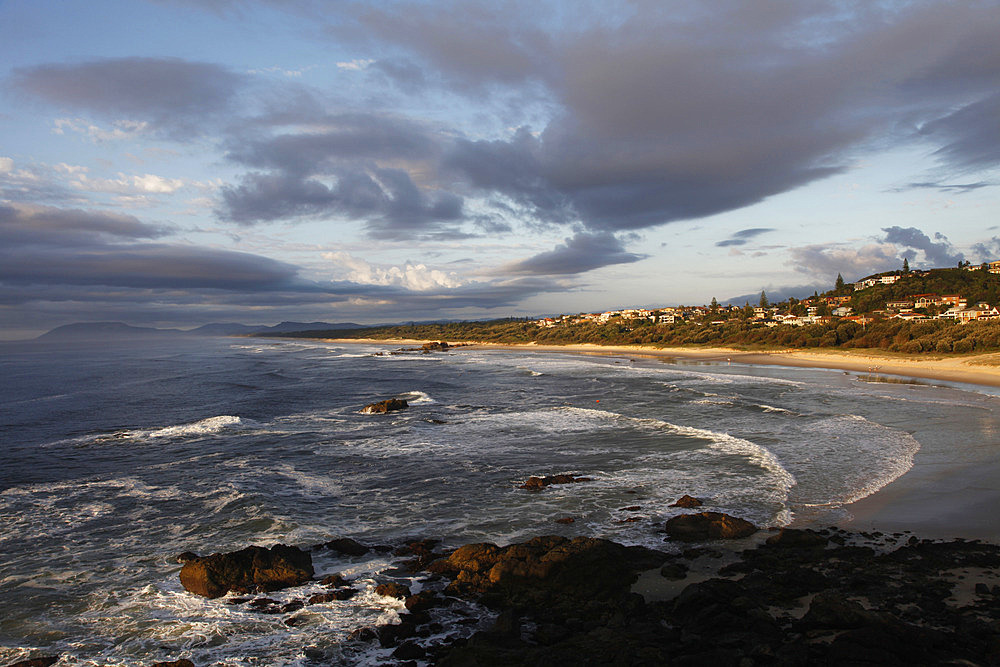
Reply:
x=177, y=162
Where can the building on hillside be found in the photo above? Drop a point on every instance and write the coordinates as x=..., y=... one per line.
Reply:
x=842, y=311
x=888, y=280
x=899, y=305
x=925, y=300
x=993, y=267
x=865, y=284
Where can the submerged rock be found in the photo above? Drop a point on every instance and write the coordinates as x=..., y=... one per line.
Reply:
x=708, y=526
x=347, y=547
x=43, y=661
x=687, y=502
x=248, y=570
x=538, y=483
x=388, y=405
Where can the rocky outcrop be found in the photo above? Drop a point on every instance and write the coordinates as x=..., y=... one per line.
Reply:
x=546, y=572
x=43, y=661
x=687, y=502
x=393, y=590
x=708, y=526
x=539, y=483
x=183, y=662
x=248, y=570
x=793, y=601
x=388, y=405
x=346, y=546
x=435, y=346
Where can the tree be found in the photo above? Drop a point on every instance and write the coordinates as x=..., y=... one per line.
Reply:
x=839, y=285
x=764, y=303
x=906, y=265
x=715, y=305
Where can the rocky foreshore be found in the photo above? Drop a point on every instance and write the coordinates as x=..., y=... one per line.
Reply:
x=777, y=597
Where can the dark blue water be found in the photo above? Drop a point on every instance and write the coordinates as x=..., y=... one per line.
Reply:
x=116, y=457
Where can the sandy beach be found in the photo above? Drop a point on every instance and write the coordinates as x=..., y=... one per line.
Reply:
x=947, y=493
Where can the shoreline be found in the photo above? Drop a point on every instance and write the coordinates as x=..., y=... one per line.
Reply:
x=981, y=369
x=947, y=493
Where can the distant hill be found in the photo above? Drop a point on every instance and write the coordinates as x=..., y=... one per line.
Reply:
x=80, y=331
x=83, y=331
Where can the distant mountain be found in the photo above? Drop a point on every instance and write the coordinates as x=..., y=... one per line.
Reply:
x=81, y=331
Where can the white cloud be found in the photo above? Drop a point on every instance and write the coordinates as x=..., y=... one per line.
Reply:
x=291, y=73
x=6, y=165
x=130, y=185
x=416, y=277
x=122, y=129
x=852, y=263
x=356, y=65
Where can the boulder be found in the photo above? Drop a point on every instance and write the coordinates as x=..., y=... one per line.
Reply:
x=687, y=502
x=44, y=661
x=566, y=520
x=388, y=405
x=538, y=483
x=347, y=547
x=393, y=590
x=183, y=662
x=793, y=538
x=708, y=526
x=432, y=346
x=248, y=570
x=546, y=571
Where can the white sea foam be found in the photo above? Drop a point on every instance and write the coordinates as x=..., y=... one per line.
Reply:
x=417, y=398
x=201, y=427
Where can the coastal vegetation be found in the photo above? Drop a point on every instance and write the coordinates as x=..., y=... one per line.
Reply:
x=893, y=335
x=882, y=312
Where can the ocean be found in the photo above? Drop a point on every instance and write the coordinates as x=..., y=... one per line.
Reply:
x=116, y=457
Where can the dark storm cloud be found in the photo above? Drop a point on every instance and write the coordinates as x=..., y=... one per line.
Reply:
x=580, y=253
x=971, y=135
x=937, y=253
x=176, y=96
x=72, y=264
x=666, y=113
x=386, y=199
x=53, y=246
x=743, y=236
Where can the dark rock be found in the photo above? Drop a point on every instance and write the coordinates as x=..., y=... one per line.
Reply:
x=388, y=635
x=410, y=651
x=334, y=580
x=797, y=539
x=538, y=483
x=566, y=520
x=294, y=621
x=422, y=601
x=388, y=405
x=347, y=547
x=393, y=590
x=294, y=605
x=439, y=345
x=830, y=609
x=674, y=571
x=322, y=598
x=363, y=635
x=344, y=594
x=183, y=662
x=543, y=571
x=185, y=557
x=631, y=508
x=44, y=661
x=687, y=502
x=247, y=571
x=708, y=526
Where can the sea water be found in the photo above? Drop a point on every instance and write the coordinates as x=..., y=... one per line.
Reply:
x=114, y=458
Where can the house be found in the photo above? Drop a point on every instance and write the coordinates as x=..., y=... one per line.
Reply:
x=888, y=280
x=925, y=300
x=954, y=300
x=864, y=284
x=993, y=267
x=842, y=311
x=980, y=312
x=667, y=319
x=899, y=305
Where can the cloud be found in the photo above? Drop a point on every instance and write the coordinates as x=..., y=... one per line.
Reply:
x=416, y=277
x=743, y=236
x=937, y=253
x=578, y=254
x=668, y=113
x=144, y=184
x=355, y=65
x=957, y=188
x=827, y=260
x=174, y=95
x=121, y=129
